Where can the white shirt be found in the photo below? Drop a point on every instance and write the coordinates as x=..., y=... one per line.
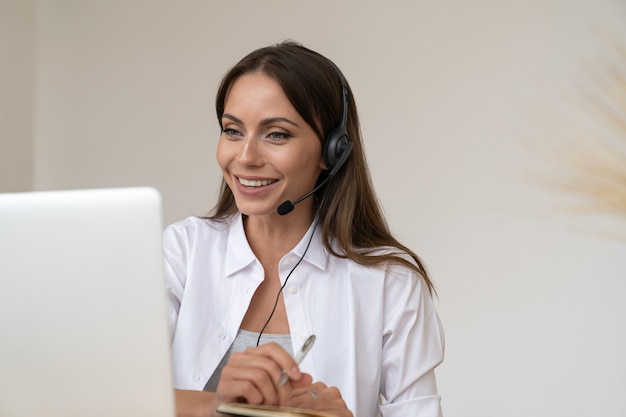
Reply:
x=377, y=330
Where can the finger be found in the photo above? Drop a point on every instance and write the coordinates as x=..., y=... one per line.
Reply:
x=254, y=381
x=267, y=357
x=305, y=381
x=255, y=360
x=304, y=390
x=280, y=356
x=320, y=397
x=276, y=353
x=262, y=367
x=248, y=361
x=316, y=392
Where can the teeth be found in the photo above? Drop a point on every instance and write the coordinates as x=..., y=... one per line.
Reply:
x=255, y=183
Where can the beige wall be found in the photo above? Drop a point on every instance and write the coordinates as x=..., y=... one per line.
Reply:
x=17, y=54
x=450, y=93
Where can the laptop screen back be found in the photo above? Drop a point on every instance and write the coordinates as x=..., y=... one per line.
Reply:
x=82, y=305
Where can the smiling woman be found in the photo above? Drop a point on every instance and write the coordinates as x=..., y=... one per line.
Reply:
x=250, y=283
x=267, y=152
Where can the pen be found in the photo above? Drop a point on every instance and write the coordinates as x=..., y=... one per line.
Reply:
x=305, y=349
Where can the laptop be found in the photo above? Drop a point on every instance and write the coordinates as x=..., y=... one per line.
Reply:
x=83, y=327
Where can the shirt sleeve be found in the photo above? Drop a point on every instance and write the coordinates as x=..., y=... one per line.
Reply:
x=175, y=264
x=413, y=346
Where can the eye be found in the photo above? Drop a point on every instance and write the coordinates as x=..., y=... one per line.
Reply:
x=278, y=136
x=230, y=132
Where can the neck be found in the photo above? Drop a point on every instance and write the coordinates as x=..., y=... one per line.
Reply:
x=276, y=235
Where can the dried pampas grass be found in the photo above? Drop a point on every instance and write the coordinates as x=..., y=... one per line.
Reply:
x=591, y=157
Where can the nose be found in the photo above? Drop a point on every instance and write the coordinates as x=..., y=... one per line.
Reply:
x=251, y=153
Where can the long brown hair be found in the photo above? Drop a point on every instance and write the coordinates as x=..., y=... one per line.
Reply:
x=350, y=214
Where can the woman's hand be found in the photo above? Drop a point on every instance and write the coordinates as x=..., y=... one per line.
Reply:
x=319, y=397
x=252, y=376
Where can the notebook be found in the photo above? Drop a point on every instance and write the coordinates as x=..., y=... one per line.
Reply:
x=251, y=410
x=82, y=305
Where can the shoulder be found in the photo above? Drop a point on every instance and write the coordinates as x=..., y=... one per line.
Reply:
x=190, y=240
x=194, y=234
x=398, y=270
x=393, y=261
x=380, y=263
x=194, y=226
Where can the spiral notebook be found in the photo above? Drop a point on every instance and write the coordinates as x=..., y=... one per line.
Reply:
x=82, y=305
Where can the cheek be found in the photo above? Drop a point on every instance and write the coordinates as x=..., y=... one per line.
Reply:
x=222, y=155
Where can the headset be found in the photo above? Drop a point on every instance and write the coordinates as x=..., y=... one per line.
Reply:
x=338, y=146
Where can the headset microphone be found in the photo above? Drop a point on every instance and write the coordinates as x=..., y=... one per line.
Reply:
x=288, y=206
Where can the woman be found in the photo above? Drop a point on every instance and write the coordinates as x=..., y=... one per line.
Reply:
x=248, y=285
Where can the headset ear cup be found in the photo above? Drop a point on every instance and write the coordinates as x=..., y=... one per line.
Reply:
x=335, y=145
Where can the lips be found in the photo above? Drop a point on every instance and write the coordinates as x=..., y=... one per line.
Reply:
x=255, y=183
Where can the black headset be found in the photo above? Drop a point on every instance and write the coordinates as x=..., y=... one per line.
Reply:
x=338, y=146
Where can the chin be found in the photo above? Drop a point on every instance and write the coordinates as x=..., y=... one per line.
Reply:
x=256, y=210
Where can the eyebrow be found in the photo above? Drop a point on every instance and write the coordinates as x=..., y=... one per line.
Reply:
x=264, y=122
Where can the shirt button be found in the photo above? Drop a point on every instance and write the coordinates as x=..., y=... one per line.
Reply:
x=302, y=338
x=293, y=290
x=288, y=263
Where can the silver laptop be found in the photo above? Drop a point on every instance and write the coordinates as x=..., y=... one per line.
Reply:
x=82, y=305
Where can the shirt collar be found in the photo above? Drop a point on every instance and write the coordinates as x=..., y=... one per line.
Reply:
x=239, y=255
x=316, y=255
x=238, y=252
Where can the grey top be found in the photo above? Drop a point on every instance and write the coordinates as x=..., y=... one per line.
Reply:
x=244, y=340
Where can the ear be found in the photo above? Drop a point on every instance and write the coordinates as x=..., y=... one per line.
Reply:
x=322, y=164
